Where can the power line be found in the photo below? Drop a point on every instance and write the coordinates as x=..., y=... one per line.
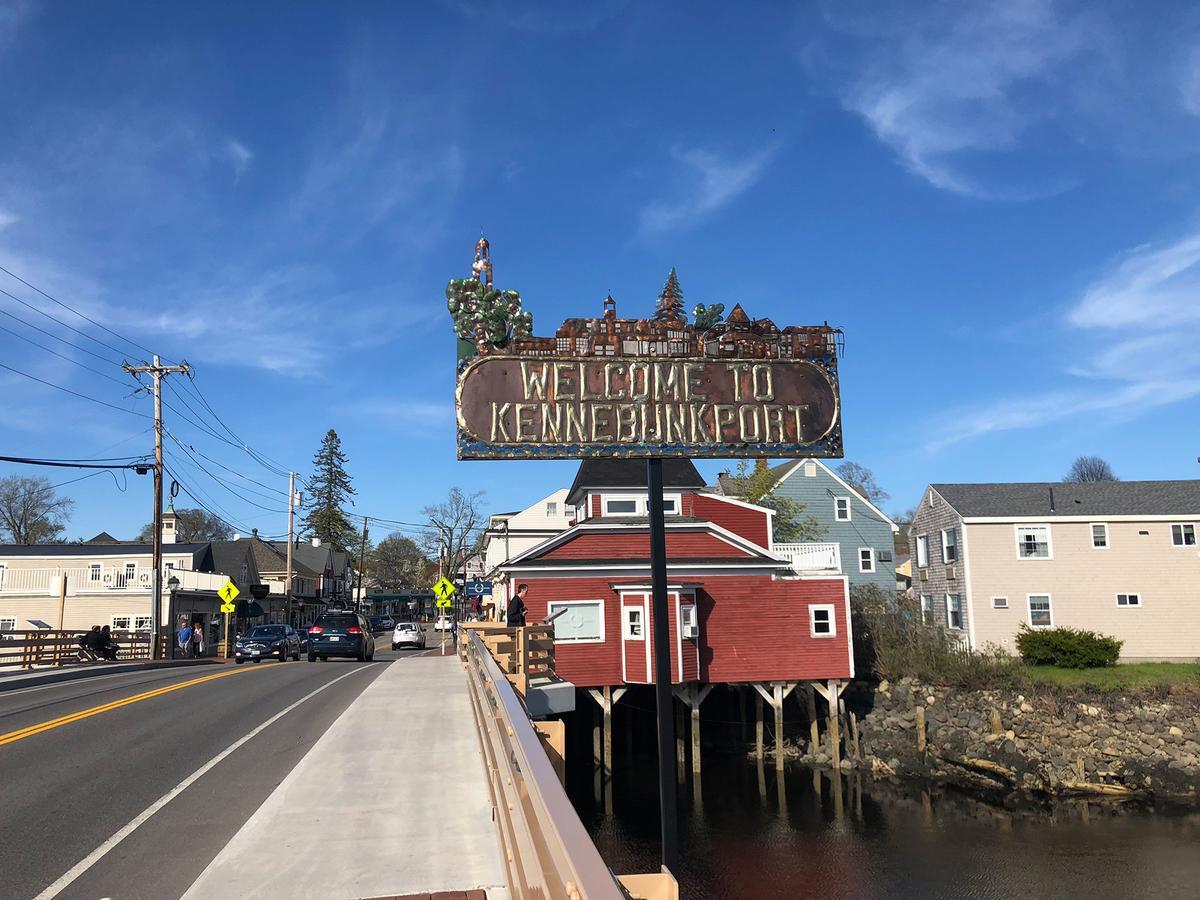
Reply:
x=42, y=312
x=218, y=480
x=121, y=462
x=51, y=334
x=261, y=458
x=61, y=356
x=228, y=523
x=78, y=313
x=59, y=387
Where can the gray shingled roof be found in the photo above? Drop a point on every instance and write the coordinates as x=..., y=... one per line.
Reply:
x=121, y=549
x=631, y=473
x=1098, y=498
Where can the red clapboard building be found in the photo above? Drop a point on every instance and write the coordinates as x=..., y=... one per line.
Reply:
x=737, y=614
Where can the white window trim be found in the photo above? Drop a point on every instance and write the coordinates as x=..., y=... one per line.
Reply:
x=137, y=627
x=1128, y=605
x=626, y=635
x=925, y=563
x=1003, y=604
x=871, y=552
x=597, y=602
x=12, y=619
x=946, y=600
x=849, y=510
x=113, y=623
x=1029, y=610
x=640, y=504
x=926, y=608
x=1182, y=525
x=812, y=620
x=1017, y=540
x=687, y=613
x=1092, y=535
x=945, y=545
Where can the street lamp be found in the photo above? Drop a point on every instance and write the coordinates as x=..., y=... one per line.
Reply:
x=172, y=586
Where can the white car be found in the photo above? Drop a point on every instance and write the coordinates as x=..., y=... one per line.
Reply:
x=408, y=634
x=443, y=624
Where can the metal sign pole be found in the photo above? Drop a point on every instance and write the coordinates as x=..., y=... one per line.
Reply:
x=662, y=669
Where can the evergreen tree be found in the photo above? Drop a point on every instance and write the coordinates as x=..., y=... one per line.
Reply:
x=330, y=490
x=670, y=301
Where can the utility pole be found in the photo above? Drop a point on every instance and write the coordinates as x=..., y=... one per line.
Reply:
x=362, y=561
x=157, y=370
x=287, y=584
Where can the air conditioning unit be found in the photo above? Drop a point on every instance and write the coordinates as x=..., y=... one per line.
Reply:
x=691, y=631
x=924, y=574
x=952, y=572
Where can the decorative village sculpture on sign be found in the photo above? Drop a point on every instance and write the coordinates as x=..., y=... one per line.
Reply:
x=658, y=387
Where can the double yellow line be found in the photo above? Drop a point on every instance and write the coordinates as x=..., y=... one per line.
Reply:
x=30, y=731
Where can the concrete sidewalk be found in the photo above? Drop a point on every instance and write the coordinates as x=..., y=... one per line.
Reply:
x=392, y=800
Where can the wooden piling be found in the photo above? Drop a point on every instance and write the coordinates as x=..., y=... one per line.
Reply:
x=814, y=731
x=758, y=725
x=696, y=739
x=608, y=767
x=854, y=736
x=835, y=738
x=778, y=704
x=920, y=714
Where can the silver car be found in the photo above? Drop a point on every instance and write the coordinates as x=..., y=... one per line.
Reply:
x=408, y=634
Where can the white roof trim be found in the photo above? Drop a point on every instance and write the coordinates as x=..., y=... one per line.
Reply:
x=1050, y=519
x=834, y=475
x=727, y=499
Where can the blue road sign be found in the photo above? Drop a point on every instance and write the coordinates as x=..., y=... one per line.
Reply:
x=479, y=588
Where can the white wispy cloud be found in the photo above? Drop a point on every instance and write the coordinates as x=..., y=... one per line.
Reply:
x=1132, y=339
x=707, y=182
x=954, y=81
x=7, y=218
x=239, y=155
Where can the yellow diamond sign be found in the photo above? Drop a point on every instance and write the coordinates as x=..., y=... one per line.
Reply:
x=228, y=592
x=444, y=588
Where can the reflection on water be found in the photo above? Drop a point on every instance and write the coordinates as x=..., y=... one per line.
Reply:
x=750, y=832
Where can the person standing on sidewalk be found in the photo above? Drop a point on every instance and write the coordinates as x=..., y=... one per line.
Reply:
x=184, y=638
x=198, y=639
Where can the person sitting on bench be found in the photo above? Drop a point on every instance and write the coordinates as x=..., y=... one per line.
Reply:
x=89, y=645
x=108, y=647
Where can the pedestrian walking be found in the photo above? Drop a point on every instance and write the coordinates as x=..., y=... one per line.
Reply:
x=198, y=640
x=516, y=608
x=183, y=638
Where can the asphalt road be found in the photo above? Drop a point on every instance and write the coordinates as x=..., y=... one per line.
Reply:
x=70, y=782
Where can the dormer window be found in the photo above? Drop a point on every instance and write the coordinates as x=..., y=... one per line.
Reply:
x=636, y=505
x=621, y=507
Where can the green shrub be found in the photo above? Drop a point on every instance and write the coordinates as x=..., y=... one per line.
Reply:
x=891, y=642
x=1067, y=648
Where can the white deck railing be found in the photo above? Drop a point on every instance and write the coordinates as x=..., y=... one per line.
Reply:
x=811, y=557
x=47, y=581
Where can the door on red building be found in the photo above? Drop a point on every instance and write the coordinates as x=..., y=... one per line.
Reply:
x=635, y=643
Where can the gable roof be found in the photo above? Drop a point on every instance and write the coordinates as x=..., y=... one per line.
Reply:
x=728, y=484
x=84, y=550
x=228, y=557
x=1097, y=498
x=631, y=473
x=103, y=538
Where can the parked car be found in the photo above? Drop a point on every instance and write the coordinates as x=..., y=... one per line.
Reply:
x=388, y=622
x=408, y=634
x=341, y=633
x=302, y=634
x=443, y=623
x=267, y=642
x=376, y=624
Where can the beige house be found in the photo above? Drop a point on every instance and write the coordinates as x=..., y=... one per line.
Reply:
x=1120, y=558
x=510, y=534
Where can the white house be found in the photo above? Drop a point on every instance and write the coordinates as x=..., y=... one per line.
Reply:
x=508, y=535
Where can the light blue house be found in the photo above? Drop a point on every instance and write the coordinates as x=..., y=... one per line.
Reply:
x=858, y=539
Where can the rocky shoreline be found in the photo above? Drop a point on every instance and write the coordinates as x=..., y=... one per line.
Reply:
x=1050, y=745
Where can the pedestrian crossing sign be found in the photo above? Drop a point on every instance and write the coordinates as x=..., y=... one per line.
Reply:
x=444, y=588
x=228, y=593
x=227, y=608
x=444, y=603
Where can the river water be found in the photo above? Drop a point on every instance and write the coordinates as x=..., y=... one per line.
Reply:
x=797, y=836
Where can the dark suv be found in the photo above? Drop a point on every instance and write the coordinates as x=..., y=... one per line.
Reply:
x=340, y=633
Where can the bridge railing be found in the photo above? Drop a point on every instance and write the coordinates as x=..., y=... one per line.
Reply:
x=547, y=853
x=56, y=648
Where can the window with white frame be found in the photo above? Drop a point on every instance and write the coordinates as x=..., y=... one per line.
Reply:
x=810, y=470
x=551, y=509
x=3, y=568
x=687, y=615
x=634, y=624
x=1040, y=615
x=866, y=559
x=8, y=623
x=141, y=623
x=926, y=609
x=563, y=343
x=1129, y=599
x=954, y=616
x=949, y=545
x=1033, y=541
x=1183, y=535
x=130, y=572
x=121, y=623
x=1100, y=536
x=620, y=506
x=841, y=509
x=821, y=622
x=933, y=498
x=922, y=550
x=999, y=603
x=581, y=622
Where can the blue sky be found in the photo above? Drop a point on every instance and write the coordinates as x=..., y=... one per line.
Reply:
x=996, y=201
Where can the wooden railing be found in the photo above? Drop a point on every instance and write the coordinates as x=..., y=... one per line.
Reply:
x=546, y=851
x=522, y=654
x=55, y=648
x=812, y=556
